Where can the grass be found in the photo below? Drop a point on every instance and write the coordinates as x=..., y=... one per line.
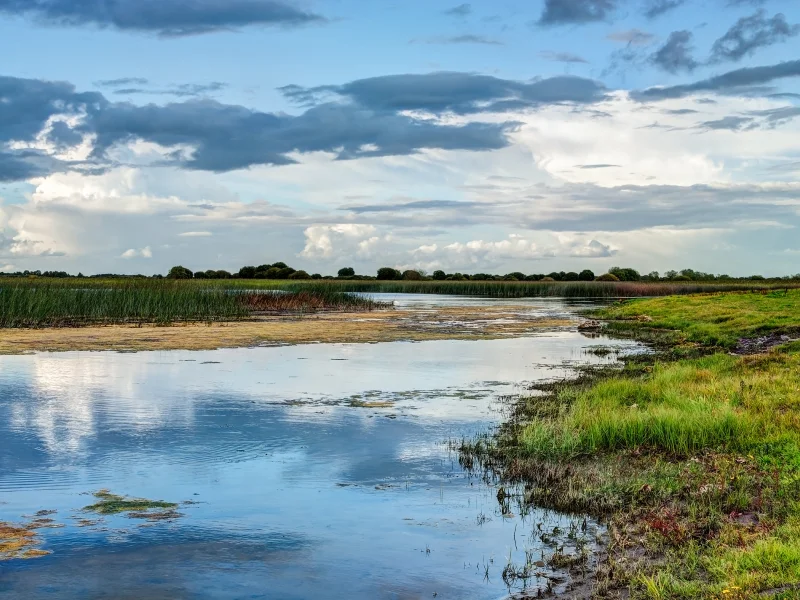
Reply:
x=72, y=303
x=514, y=289
x=694, y=461
x=712, y=320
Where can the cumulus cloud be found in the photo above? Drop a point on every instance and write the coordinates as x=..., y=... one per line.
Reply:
x=198, y=134
x=167, y=18
x=676, y=54
x=565, y=12
x=140, y=253
x=749, y=34
x=346, y=240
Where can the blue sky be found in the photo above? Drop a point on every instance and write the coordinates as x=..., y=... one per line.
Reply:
x=481, y=136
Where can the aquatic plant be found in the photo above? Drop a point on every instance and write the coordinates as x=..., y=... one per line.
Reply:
x=112, y=504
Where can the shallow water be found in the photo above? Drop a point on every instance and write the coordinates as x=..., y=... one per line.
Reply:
x=316, y=471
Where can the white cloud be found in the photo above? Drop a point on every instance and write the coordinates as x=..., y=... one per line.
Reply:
x=195, y=234
x=344, y=240
x=141, y=253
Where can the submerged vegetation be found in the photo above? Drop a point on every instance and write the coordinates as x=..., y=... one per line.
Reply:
x=692, y=455
x=70, y=303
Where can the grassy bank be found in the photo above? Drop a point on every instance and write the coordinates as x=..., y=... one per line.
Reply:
x=72, y=303
x=694, y=461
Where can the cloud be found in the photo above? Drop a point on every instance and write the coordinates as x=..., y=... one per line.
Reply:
x=632, y=37
x=347, y=240
x=141, y=253
x=461, y=93
x=122, y=81
x=195, y=234
x=676, y=54
x=730, y=123
x=597, y=166
x=462, y=10
x=564, y=12
x=183, y=90
x=166, y=18
x=462, y=39
x=656, y=8
x=727, y=82
x=750, y=33
x=565, y=57
x=410, y=206
x=200, y=134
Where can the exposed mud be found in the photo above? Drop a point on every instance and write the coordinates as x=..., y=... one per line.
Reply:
x=441, y=323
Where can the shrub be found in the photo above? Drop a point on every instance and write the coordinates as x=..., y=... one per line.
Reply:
x=555, y=276
x=571, y=276
x=179, y=272
x=280, y=265
x=682, y=278
x=316, y=276
x=346, y=272
x=300, y=275
x=625, y=274
x=547, y=278
x=439, y=275
x=586, y=275
x=607, y=277
x=200, y=275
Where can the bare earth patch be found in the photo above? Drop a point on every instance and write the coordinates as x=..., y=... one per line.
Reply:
x=463, y=323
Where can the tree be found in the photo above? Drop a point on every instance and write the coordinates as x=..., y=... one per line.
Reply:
x=346, y=272
x=201, y=275
x=300, y=275
x=514, y=276
x=607, y=277
x=280, y=265
x=179, y=272
x=439, y=275
x=625, y=274
x=386, y=273
x=555, y=276
x=571, y=276
x=247, y=273
x=586, y=275
x=412, y=275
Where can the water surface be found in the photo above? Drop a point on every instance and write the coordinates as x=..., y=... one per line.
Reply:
x=315, y=471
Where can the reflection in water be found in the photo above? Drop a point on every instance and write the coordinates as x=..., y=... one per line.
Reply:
x=317, y=471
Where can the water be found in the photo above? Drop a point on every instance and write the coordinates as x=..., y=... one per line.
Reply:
x=316, y=471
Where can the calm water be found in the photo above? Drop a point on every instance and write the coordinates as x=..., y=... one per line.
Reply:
x=294, y=488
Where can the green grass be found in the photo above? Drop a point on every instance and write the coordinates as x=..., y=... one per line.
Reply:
x=695, y=462
x=513, y=289
x=42, y=303
x=712, y=320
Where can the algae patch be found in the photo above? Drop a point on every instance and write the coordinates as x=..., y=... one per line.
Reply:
x=19, y=541
x=137, y=508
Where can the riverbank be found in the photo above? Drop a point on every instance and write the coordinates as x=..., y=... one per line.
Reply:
x=419, y=324
x=691, y=455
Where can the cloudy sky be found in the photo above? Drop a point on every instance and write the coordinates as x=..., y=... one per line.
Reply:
x=530, y=135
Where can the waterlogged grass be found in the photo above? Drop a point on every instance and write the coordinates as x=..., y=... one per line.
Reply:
x=712, y=320
x=73, y=303
x=113, y=504
x=694, y=462
x=514, y=289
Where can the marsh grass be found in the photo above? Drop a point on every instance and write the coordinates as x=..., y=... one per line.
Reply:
x=694, y=462
x=36, y=303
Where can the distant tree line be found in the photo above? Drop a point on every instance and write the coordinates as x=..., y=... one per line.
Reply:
x=281, y=270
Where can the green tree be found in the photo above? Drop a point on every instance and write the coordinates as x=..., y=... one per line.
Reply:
x=571, y=276
x=586, y=275
x=412, y=275
x=439, y=275
x=179, y=272
x=247, y=273
x=300, y=275
x=625, y=274
x=346, y=272
x=386, y=273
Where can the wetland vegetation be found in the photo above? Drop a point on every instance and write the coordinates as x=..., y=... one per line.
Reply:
x=691, y=454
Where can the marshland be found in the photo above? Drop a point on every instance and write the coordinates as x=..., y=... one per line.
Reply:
x=523, y=439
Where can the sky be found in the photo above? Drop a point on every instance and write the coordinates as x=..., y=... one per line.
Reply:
x=500, y=136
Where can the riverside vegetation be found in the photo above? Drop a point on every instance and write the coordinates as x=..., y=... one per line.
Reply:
x=691, y=454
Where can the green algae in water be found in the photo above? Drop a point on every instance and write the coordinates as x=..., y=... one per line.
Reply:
x=113, y=504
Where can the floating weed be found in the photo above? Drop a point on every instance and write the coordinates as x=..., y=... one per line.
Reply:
x=19, y=541
x=112, y=504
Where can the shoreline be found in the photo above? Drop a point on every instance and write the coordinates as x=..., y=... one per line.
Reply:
x=443, y=323
x=690, y=455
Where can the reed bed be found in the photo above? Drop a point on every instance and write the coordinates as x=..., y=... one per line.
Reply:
x=516, y=289
x=37, y=303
